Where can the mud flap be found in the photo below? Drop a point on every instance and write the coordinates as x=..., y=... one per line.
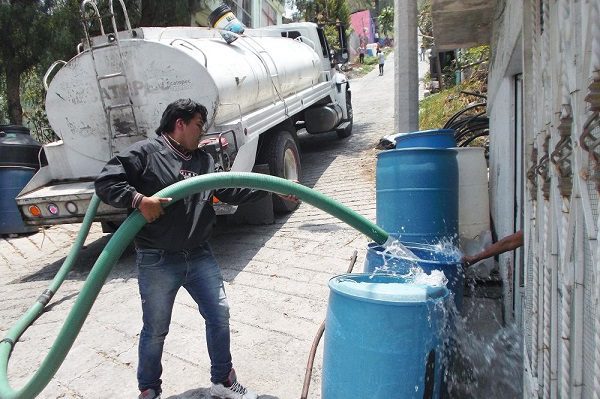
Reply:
x=258, y=212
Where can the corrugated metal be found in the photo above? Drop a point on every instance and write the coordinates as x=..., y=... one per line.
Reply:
x=530, y=284
x=591, y=185
x=589, y=315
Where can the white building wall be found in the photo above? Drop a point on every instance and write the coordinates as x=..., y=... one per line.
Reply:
x=556, y=44
x=506, y=64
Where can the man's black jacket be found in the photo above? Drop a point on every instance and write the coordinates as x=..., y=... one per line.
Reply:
x=153, y=164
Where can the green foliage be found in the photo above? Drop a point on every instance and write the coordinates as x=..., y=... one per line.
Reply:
x=324, y=12
x=331, y=33
x=24, y=31
x=474, y=54
x=371, y=60
x=3, y=105
x=166, y=13
x=358, y=5
x=386, y=20
x=436, y=109
x=425, y=23
x=32, y=98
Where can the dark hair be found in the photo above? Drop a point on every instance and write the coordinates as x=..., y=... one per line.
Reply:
x=183, y=108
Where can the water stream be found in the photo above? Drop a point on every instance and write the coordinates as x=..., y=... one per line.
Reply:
x=483, y=358
x=481, y=362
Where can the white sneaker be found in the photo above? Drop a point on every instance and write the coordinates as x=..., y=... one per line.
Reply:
x=235, y=391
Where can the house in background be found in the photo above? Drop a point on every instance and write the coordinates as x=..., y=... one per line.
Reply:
x=363, y=30
x=252, y=13
x=543, y=103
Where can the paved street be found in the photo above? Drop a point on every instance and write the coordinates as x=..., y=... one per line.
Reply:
x=276, y=279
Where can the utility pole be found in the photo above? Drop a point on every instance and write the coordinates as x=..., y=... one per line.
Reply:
x=406, y=68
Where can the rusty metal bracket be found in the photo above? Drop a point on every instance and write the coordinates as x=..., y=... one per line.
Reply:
x=543, y=169
x=593, y=95
x=561, y=156
x=532, y=176
x=590, y=143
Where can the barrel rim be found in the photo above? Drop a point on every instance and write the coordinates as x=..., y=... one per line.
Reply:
x=373, y=245
x=433, y=131
x=28, y=168
x=441, y=293
x=386, y=153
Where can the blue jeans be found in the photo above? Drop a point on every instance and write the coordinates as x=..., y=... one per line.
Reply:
x=160, y=275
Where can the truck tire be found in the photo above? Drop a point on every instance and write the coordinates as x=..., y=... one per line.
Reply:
x=347, y=131
x=281, y=153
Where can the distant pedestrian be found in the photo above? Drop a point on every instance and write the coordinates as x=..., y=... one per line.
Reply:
x=381, y=59
x=361, y=54
x=422, y=53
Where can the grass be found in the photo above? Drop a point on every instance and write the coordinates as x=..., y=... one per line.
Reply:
x=436, y=109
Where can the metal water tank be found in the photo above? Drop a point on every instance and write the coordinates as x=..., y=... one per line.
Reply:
x=20, y=157
x=417, y=194
x=431, y=257
x=382, y=338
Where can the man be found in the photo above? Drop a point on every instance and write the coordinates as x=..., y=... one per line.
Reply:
x=361, y=54
x=172, y=248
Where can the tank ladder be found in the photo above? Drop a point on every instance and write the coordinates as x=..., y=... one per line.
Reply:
x=263, y=55
x=113, y=40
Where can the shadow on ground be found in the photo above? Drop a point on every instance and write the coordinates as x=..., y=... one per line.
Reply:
x=204, y=393
x=125, y=267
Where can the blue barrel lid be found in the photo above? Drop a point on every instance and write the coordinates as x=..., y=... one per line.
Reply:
x=384, y=288
x=416, y=150
x=437, y=138
x=433, y=131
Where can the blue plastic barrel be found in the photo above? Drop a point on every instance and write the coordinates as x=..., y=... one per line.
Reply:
x=382, y=338
x=12, y=180
x=417, y=194
x=437, y=138
x=20, y=157
x=430, y=258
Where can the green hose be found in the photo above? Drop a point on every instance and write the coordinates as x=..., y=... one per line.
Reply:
x=119, y=242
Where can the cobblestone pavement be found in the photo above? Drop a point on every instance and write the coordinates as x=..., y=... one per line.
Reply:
x=276, y=279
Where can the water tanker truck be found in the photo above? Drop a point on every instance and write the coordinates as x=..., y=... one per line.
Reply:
x=259, y=91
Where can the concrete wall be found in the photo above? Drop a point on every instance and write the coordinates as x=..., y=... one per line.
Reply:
x=506, y=63
x=556, y=45
x=363, y=25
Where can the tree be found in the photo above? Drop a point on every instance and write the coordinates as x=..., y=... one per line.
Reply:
x=386, y=20
x=324, y=11
x=425, y=24
x=25, y=31
x=166, y=13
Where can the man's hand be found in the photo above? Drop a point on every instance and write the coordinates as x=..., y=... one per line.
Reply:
x=469, y=260
x=151, y=208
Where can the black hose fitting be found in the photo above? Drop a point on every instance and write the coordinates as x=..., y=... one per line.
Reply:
x=45, y=297
x=9, y=341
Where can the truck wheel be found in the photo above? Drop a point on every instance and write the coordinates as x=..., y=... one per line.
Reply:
x=281, y=153
x=347, y=131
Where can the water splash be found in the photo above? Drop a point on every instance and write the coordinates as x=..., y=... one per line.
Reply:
x=393, y=247
x=448, y=247
x=477, y=364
